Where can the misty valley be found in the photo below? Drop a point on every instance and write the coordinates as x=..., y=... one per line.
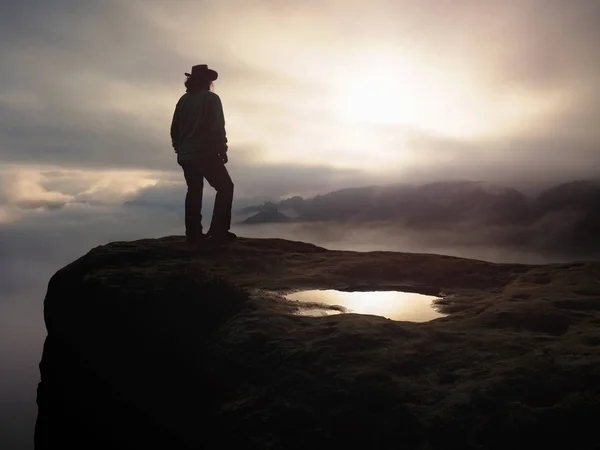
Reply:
x=459, y=218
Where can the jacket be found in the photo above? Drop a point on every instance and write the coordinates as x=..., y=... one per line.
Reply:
x=198, y=126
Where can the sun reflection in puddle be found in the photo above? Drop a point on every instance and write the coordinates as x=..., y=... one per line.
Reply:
x=395, y=305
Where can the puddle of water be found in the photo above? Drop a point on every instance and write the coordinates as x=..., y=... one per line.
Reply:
x=394, y=305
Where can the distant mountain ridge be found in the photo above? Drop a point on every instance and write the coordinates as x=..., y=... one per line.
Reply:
x=440, y=202
x=267, y=213
x=568, y=213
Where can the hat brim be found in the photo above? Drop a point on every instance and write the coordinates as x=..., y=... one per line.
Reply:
x=212, y=74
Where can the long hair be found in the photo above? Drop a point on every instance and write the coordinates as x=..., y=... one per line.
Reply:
x=198, y=84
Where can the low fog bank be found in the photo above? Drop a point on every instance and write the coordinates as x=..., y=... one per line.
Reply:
x=494, y=244
x=464, y=218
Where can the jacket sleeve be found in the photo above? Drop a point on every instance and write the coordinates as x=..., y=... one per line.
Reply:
x=217, y=123
x=175, y=130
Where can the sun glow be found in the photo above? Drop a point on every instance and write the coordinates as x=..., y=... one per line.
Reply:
x=408, y=95
x=438, y=98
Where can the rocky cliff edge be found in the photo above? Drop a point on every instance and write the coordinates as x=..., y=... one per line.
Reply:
x=153, y=346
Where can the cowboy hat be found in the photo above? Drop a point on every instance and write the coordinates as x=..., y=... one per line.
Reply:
x=202, y=71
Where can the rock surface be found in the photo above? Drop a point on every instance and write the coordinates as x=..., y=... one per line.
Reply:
x=153, y=346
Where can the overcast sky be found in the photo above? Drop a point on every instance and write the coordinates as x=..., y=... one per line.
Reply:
x=317, y=95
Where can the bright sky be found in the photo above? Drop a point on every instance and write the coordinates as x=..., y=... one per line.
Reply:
x=317, y=94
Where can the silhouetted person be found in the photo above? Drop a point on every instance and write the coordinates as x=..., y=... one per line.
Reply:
x=199, y=139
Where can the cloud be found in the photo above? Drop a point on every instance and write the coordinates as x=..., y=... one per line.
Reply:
x=26, y=188
x=31, y=187
x=92, y=85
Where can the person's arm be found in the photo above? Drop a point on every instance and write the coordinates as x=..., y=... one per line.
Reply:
x=217, y=124
x=175, y=130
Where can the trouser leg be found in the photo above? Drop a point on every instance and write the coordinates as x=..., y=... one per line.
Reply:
x=218, y=177
x=193, y=199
